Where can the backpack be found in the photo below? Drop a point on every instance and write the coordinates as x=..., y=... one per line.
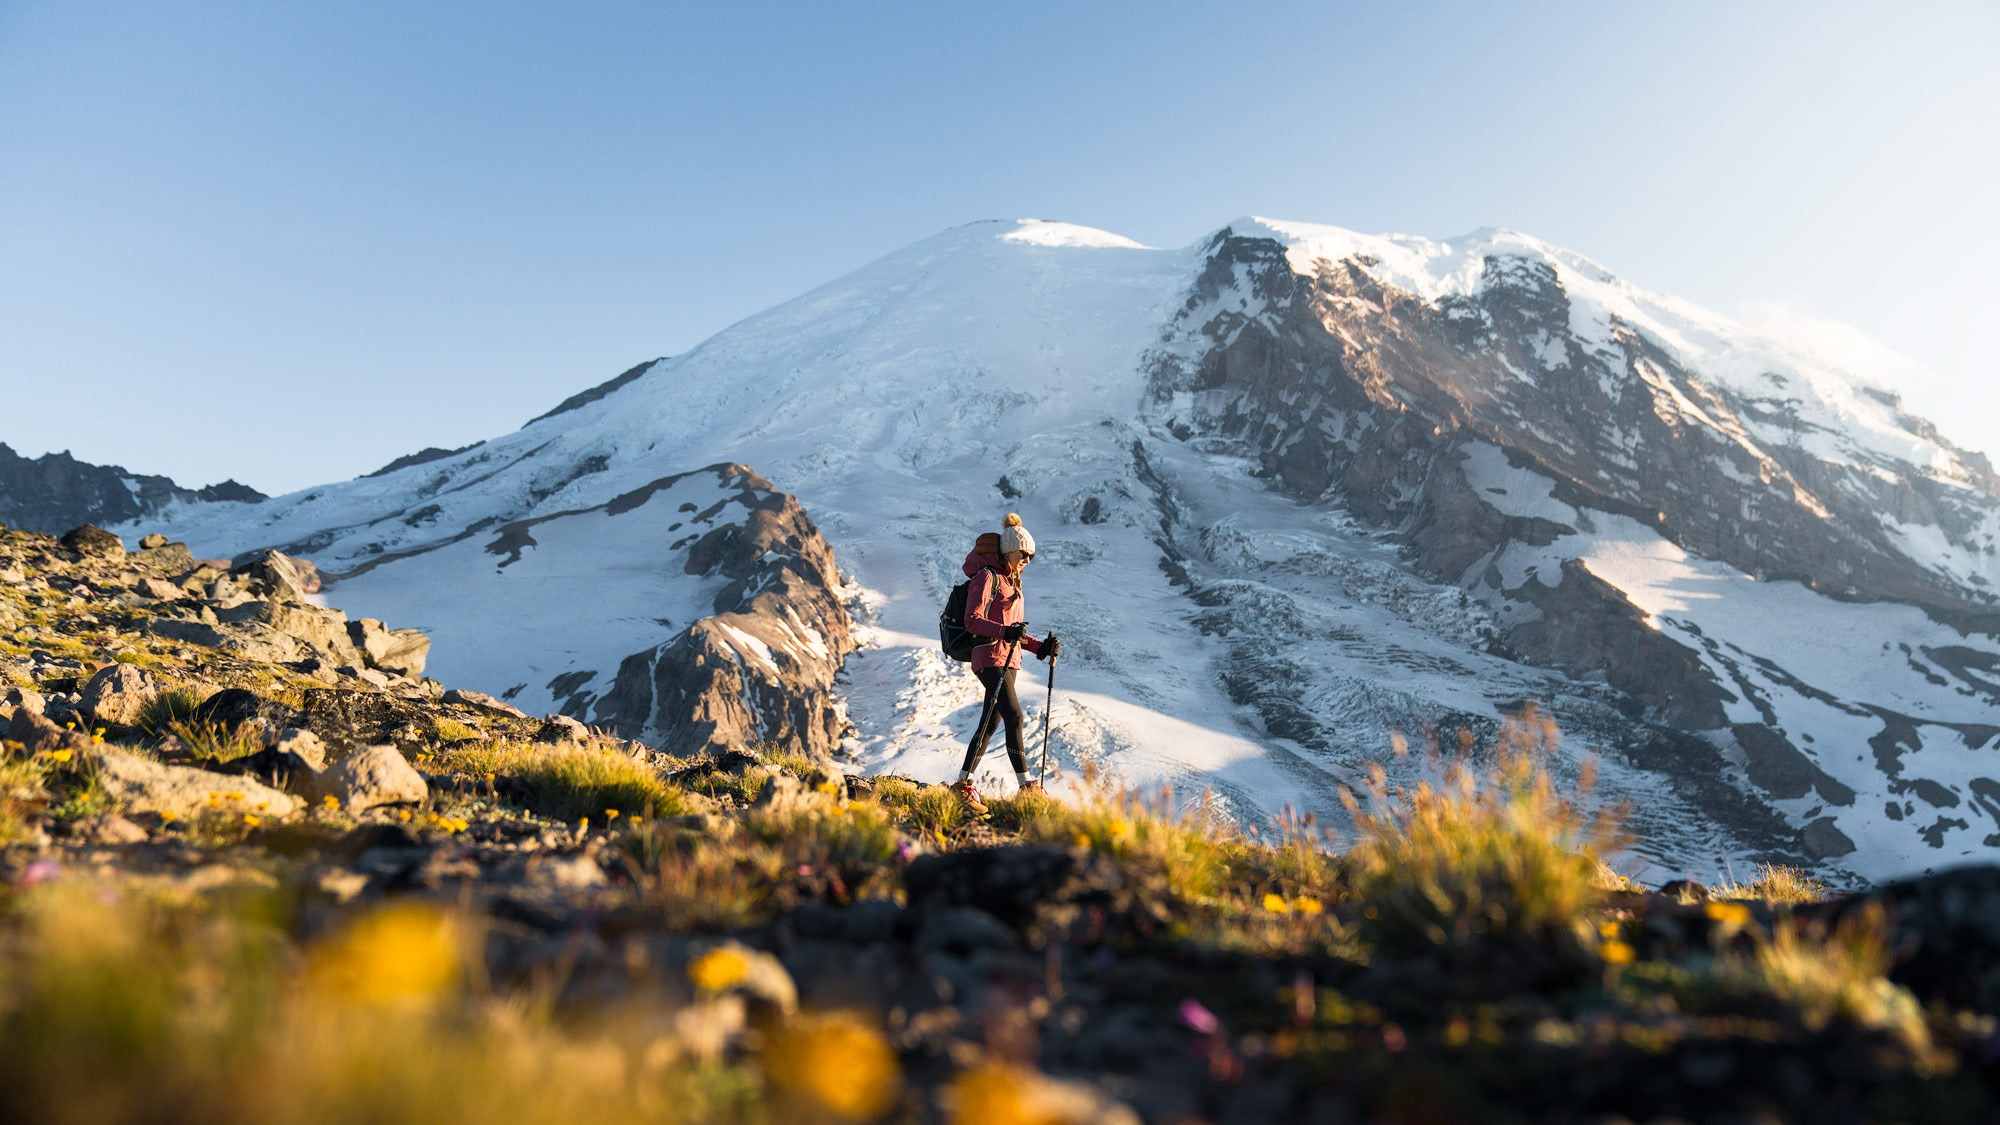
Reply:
x=957, y=640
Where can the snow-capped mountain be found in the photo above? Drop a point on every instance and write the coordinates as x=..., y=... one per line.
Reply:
x=1305, y=497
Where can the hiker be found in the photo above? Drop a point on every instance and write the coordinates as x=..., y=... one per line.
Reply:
x=995, y=608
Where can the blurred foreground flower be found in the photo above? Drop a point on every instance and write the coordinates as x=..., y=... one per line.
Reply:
x=835, y=1062
x=405, y=954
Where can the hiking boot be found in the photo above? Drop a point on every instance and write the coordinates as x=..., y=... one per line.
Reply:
x=1034, y=787
x=970, y=797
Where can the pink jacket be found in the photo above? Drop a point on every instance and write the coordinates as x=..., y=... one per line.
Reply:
x=993, y=603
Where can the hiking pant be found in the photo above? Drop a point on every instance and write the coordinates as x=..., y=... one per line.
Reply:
x=1005, y=708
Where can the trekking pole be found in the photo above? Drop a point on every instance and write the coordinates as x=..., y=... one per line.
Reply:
x=1047, y=710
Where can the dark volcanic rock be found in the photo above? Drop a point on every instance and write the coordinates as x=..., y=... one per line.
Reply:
x=55, y=491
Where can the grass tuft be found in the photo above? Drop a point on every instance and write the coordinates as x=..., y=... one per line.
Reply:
x=569, y=781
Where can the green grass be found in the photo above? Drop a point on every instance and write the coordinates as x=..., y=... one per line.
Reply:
x=165, y=710
x=213, y=742
x=569, y=781
x=1198, y=853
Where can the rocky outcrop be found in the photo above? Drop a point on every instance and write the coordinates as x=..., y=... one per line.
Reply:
x=55, y=492
x=761, y=669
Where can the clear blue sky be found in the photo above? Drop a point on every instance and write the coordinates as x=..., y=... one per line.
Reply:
x=287, y=242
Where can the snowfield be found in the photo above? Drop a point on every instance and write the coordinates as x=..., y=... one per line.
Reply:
x=999, y=366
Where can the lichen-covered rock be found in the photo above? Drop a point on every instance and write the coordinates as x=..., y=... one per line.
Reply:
x=138, y=785
x=369, y=778
x=92, y=541
x=118, y=694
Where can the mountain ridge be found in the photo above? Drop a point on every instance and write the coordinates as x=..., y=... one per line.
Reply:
x=1402, y=469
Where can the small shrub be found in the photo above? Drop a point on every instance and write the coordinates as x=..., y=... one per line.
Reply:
x=928, y=810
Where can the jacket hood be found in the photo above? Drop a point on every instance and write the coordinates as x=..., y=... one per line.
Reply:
x=977, y=561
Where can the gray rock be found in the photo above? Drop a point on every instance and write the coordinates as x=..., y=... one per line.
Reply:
x=118, y=694
x=158, y=589
x=370, y=778
x=138, y=785
x=12, y=576
x=783, y=795
x=401, y=651
x=279, y=576
x=483, y=701
x=964, y=929
x=19, y=698
x=116, y=830
x=303, y=745
x=192, y=632
x=324, y=630
x=562, y=728
x=92, y=541
x=37, y=732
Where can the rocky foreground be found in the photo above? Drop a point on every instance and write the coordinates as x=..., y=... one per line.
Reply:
x=256, y=867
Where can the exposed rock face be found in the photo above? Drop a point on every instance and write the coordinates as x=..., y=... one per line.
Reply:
x=55, y=492
x=761, y=669
x=1526, y=454
x=402, y=651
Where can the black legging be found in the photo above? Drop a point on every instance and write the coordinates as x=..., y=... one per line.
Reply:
x=1006, y=708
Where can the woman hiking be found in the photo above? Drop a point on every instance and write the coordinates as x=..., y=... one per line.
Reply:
x=995, y=608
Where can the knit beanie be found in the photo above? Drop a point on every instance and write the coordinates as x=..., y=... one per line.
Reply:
x=1014, y=537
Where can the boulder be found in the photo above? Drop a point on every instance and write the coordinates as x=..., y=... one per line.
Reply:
x=148, y=542
x=562, y=728
x=277, y=575
x=139, y=785
x=325, y=630
x=36, y=732
x=118, y=694
x=370, y=778
x=303, y=745
x=159, y=589
x=116, y=830
x=232, y=708
x=783, y=795
x=483, y=701
x=20, y=698
x=401, y=651
x=92, y=541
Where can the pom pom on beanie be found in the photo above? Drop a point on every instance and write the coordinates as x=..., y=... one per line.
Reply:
x=1014, y=537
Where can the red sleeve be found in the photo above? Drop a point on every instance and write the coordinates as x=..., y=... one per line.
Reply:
x=976, y=599
x=1033, y=646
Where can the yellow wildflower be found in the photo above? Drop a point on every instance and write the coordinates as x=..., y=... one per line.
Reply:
x=1307, y=905
x=405, y=954
x=168, y=816
x=583, y=826
x=1276, y=904
x=1616, y=953
x=61, y=756
x=611, y=814
x=718, y=969
x=1081, y=841
x=405, y=815
x=836, y=1063
x=252, y=820
x=1607, y=930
